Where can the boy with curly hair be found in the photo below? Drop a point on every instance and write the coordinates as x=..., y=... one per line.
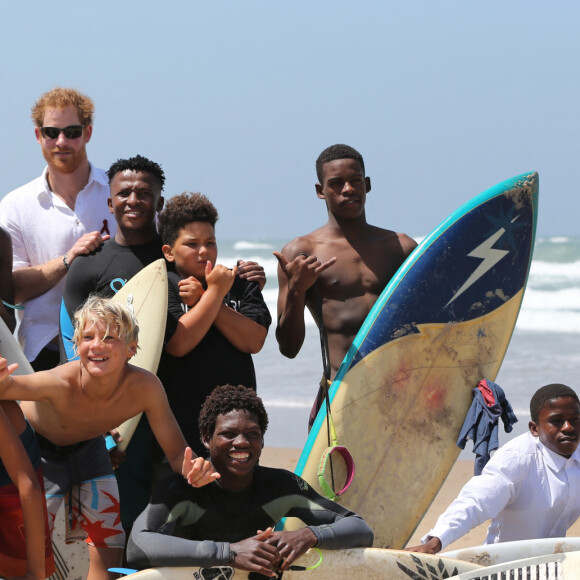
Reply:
x=230, y=523
x=216, y=319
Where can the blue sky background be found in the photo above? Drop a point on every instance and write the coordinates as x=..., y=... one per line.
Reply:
x=237, y=99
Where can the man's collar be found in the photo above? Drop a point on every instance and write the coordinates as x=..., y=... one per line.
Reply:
x=45, y=191
x=98, y=176
x=94, y=175
x=554, y=460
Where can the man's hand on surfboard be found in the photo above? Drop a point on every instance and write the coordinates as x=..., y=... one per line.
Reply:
x=256, y=554
x=291, y=545
x=197, y=470
x=431, y=546
x=303, y=270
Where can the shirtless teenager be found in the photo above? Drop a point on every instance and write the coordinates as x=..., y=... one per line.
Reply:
x=72, y=405
x=350, y=260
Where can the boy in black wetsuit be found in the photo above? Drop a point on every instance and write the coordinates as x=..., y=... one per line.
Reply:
x=229, y=522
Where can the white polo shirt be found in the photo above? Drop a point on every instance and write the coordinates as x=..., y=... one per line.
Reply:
x=527, y=490
x=43, y=227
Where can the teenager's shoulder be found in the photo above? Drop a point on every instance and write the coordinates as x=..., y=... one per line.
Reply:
x=280, y=478
x=67, y=371
x=520, y=450
x=308, y=243
x=62, y=379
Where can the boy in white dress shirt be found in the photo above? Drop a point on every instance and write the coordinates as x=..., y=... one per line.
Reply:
x=531, y=486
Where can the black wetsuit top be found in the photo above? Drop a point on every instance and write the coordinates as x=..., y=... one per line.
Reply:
x=187, y=526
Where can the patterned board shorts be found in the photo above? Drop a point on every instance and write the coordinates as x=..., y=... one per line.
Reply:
x=12, y=536
x=81, y=475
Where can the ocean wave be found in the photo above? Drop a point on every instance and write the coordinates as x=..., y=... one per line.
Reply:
x=245, y=245
x=270, y=264
x=552, y=300
x=288, y=403
x=553, y=275
x=555, y=240
x=562, y=321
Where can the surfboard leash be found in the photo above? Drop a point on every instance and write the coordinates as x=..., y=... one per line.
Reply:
x=325, y=382
x=333, y=446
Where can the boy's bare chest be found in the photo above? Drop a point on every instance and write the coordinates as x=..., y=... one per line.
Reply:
x=76, y=417
x=358, y=271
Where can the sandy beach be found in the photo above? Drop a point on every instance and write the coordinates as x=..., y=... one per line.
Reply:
x=462, y=470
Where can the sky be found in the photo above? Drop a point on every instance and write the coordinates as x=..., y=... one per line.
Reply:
x=237, y=99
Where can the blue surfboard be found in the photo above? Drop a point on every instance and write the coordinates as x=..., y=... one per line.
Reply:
x=441, y=325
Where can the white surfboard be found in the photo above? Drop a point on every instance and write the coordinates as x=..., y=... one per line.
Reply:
x=565, y=566
x=491, y=554
x=369, y=563
x=11, y=351
x=146, y=295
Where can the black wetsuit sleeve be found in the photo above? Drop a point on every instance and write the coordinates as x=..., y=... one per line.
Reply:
x=351, y=531
x=335, y=527
x=152, y=545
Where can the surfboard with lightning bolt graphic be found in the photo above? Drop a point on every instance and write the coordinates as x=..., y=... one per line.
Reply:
x=442, y=324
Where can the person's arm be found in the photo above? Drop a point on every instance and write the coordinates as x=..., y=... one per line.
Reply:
x=197, y=470
x=35, y=387
x=330, y=527
x=33, y=281
x=241, y=331
x=246, y=327
x=482, y=498
x=152, y=545
x=195, y=323
x=21, y=472
x=6, y=283
x=297, y=272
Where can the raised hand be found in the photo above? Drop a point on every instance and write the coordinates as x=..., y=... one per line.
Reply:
x=303, y=270
x=220, y=277
x=198, y=471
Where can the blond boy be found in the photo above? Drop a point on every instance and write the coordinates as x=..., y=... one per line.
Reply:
x=73, y=405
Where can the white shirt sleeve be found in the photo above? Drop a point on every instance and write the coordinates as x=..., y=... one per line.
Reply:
x=482, y=498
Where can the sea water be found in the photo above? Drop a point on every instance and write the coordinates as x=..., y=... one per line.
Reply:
x=544, y=347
